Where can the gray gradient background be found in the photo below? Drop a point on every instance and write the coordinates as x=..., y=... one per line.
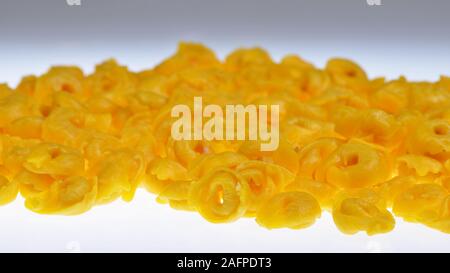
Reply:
x=408, y=37
x=400, y=37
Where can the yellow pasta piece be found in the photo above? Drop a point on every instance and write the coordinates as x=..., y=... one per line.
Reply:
x=313, y=154
x=362, y=211
x=392, y=97
x=8, y=190
x=348, y=74
x=420, y=203
x=294, y=210
x=390, y=189
x=162, y=172
x=70, y=196
x=186, y=151
x=67, y=79
x=55, y=159
x=354, y=165
x=445, y=181
x=284, y=156
x=426, y=96
x=322, y=191
x=26, y=127
x=207, y=162
x=371, y=125
x=31, y=184
x=12, y=107
x=5, y=90
x=113, y=81
x=14, y=152
x=96, y=145
x=176, y=191
x=264, y=180
x=417, y=165
x=247, y=57
x=347, y=143
x=431, y=138
x=189, y=55
x=443, y=221
x=63, y=126
x=119, y=174
x=221, y=195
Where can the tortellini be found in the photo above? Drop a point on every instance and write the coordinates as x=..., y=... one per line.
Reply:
x=119, y=175
x=221, y=195
x=69, y=196
x=264, y=180
x=8, y=190
x=362, y=211
x=353, y=166
x=294, y=210
x=421, y=203
x=359, y=148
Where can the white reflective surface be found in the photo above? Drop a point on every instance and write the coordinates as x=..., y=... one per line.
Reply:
x=145, y=226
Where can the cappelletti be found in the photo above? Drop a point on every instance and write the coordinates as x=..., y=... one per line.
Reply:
x=364, y=149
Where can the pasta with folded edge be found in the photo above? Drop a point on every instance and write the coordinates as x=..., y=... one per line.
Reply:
x=355, y=146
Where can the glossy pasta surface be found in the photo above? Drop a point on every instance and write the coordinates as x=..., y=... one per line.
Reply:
x=365, y=149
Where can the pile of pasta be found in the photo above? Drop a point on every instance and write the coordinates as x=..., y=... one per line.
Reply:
x=363, y=149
